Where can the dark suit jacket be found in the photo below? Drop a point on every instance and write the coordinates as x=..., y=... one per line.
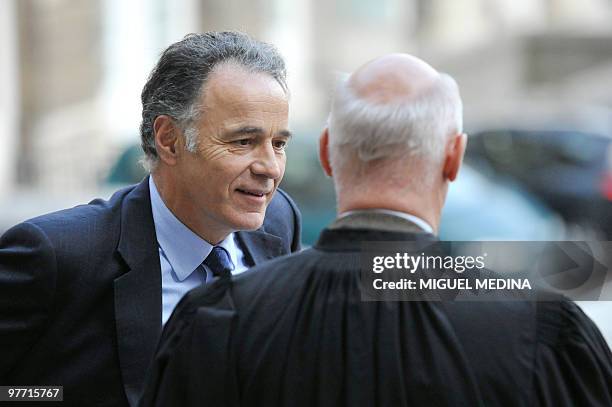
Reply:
x=80, y=294
x=298, y=333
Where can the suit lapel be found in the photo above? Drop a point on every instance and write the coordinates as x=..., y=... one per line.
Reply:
x=261, y=246
x=137, y=292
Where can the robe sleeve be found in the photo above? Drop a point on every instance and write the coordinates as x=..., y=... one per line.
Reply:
x=573, y=361
x=194, y=362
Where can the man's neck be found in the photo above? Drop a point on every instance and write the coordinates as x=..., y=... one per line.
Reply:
x=180, y=209
x=407, y=203
x=395, y=216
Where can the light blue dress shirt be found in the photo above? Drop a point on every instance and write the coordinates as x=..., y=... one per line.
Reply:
x=181, y=251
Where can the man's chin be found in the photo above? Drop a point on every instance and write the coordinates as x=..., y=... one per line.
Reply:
x=250, y=221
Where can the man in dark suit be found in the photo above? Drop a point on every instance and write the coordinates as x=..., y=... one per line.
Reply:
x=297, y=332
x=84, y=292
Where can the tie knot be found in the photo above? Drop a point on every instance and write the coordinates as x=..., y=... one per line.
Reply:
x=219, y=262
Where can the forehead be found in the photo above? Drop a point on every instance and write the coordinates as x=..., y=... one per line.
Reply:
x=232, y=92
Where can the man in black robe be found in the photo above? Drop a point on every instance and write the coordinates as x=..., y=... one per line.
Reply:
x=297, y=332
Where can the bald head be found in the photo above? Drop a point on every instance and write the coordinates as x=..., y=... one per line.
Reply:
x=394, y=137
x=393, y=78
x=394, y=106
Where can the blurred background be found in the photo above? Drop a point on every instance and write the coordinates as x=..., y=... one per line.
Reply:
x=535, y=75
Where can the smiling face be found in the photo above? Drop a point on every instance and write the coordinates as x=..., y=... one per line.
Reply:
x=227, y=184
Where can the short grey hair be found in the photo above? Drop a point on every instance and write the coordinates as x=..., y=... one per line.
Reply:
x=417, y=127
x=175, y=85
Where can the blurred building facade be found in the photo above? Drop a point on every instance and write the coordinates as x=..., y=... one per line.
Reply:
x=72, y=70
x=9, y=98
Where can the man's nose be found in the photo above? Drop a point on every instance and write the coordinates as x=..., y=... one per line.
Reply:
x=267, y=162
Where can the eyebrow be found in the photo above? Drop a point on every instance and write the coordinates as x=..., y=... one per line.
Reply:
x=258, y=130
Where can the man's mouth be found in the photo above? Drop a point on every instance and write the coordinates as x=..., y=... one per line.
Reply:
x=253, y=192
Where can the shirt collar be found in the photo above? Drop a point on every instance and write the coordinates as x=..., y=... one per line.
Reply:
x=412, y=218
x=184, y=249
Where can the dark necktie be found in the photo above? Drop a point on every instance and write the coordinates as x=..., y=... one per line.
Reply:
x=219, y=262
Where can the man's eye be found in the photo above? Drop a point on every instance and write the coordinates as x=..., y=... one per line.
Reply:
x=244, y=142
x=280, y=144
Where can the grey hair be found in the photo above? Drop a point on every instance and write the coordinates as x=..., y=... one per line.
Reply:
x=416, y=127
x=175, y=85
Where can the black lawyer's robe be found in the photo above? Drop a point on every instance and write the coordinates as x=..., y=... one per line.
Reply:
x=298, y=334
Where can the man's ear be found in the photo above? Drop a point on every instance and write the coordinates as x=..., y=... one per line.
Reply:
x=324, y=152
x=455, y=149
x=167, y=139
